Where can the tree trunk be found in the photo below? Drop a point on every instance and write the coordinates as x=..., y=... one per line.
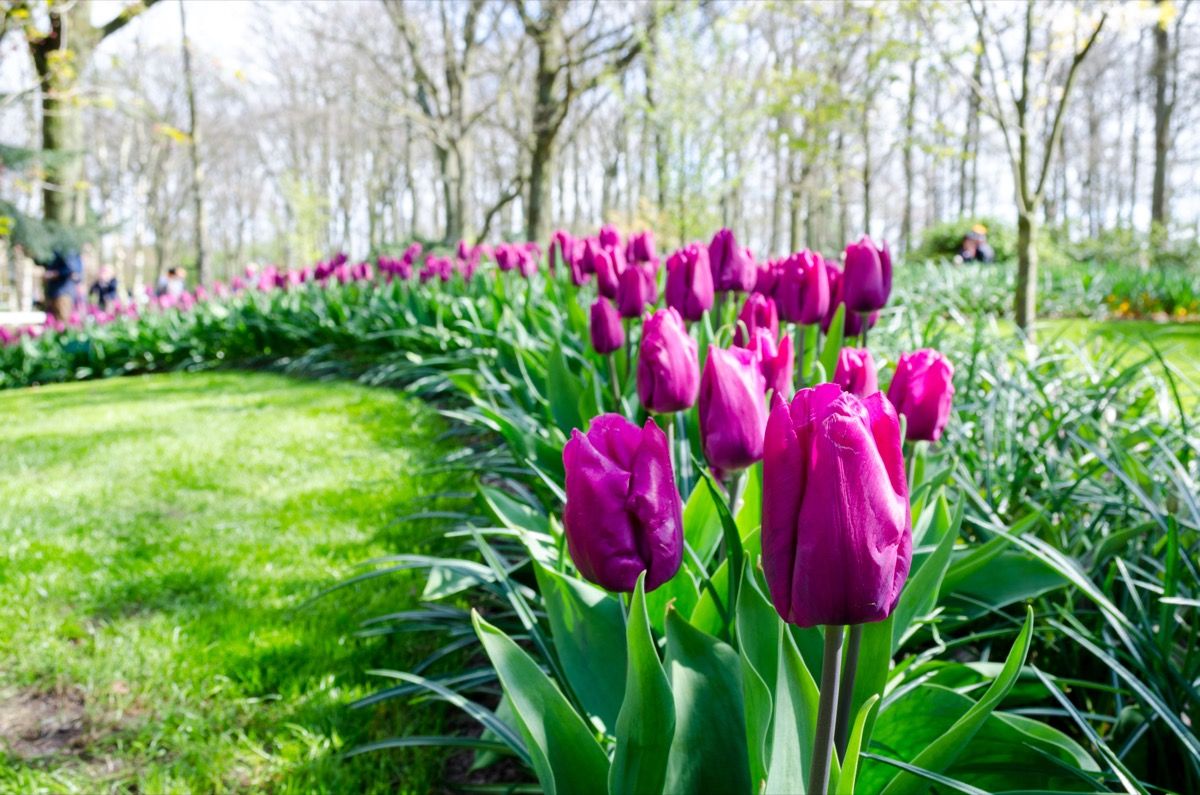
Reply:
x=910, y=115
x=547, y=115
x=193, y=149
x=1025, y=307
x=1162, y=124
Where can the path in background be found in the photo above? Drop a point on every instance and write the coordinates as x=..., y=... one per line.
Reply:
x=157, y=538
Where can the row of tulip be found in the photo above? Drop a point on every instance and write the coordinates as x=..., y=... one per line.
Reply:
x=834, y=543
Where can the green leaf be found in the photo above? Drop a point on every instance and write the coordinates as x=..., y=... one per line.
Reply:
x=708, y=753
x=845, y=785
x=589, y=638
x=646, y=725
x=562, y=390
x=701, y=524
x=921, y=592
x=1009, y=752
x=833, y=342
x=795, y=726
x=758, y=628
x=565, y=754
x=943, y=751
x=680, y=590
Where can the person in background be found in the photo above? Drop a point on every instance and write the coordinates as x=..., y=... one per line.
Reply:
x=63, y=281
x=104, y=291
x=975, y=247
x=174, y=283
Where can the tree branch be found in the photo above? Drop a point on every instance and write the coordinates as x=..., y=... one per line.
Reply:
x=1059, y=113
x=127, y=14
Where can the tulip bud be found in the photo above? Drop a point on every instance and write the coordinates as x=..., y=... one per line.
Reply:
x=803, y=290
x=856, y=373
x=767, y=280
x=922, y=389
x=836, y=525
x=640, y=247
x=852, y=323
x=776, y=363
x=757, y=312
x=733, y=413
x=868, y=276
x=609, y=265
x=561, y=244
x=689, y=282
x=636, y=289
x=668, y=370
x=607, y=333
x=609, y=237
x=732, y=269
x=623, y=514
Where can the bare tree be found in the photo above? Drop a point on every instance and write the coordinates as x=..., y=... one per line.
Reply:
x=1015, y=117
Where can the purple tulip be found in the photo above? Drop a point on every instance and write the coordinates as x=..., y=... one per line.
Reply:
x=803, y=289
x=852, y=324
x=922, y=389
x=609, y=237
x=855, y=372
x=757, y=312
x=689, y=282
x=775, y=362
x=607, y=333
x=836, y=525
x=868, y=276
x=609, y=264
x=768, y=277
x=636, y=289
x=623, y=514
x=732, y=269
x=733, y=412
x=640, y=247
x=560, y=247
x=668, y=370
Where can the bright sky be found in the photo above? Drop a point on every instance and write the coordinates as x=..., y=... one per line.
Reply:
x=219, y=27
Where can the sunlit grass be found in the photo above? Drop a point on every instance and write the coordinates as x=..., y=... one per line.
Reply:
x=158, y=537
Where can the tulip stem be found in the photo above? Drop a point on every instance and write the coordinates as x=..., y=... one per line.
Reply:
x=685, y=458
x=831, y=669
x=616, y=381
x=846, y=697
x=798, y=333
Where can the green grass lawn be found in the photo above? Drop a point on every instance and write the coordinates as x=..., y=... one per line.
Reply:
x=158, y=537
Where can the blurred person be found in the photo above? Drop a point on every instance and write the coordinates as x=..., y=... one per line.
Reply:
x=173, y=284
x=104, y=291
x=62, y=282
x=975, y=247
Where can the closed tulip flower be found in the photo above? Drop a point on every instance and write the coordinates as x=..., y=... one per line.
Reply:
x=923, y=391
x=561, y=246
x=733, y=413
x=803, y=290
x=856, y=373
x=609, y=237
x=640, y=247
x=757, y=312
x=668, y=370
x=607, y=334
x=868, y=276
x=732, y=269
x=636, y=289
x=689, y=282
x=609, y=264
x=836, y=526
x=852, y=325
x=623, y=514
x=776, y=362
x=768, y=276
